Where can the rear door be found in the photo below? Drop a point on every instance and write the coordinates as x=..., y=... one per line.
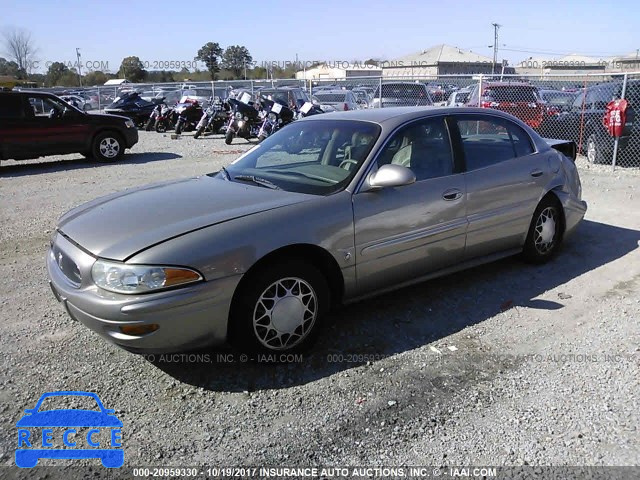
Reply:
x=406, y=232
x=504, y=181
x=15, y=142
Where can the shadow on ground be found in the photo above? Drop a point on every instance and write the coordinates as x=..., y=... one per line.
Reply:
x=414, y=316
x=80, y=162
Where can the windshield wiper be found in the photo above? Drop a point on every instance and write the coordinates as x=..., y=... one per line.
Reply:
x=263, y=182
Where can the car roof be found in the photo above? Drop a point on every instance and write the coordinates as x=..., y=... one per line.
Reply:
x=398, y=115
x=508, y=84
x=337, y=90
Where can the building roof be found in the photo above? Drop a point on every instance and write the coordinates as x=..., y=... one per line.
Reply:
x=442, y=54
x=116, y=81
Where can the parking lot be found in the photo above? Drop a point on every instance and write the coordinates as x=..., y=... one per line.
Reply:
x=507, y=364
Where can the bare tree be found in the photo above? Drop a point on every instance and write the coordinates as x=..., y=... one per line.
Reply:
x=20, y=48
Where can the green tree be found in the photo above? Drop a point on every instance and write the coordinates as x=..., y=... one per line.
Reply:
x=210, y=54
x=8, y=67
x=55, y=71
x=95, y=78
x=132, y=69
x=236, y=59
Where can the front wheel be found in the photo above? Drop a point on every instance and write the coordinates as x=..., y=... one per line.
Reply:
x=198, y=132
x=261, y=137
x=148, y=125
x=108, y=147
x=178, y=127
x=545, y=231
x=280, y=308
x=228, y=137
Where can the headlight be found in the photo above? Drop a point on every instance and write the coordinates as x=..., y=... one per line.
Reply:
x=132, y=279
x=238, y=115
x=129, y=124
x=246, y=118
x=272, y=117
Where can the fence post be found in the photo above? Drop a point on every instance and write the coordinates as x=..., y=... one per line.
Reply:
x=480, y=91
x=99, y=101
x=380, y=94
x=617, y=140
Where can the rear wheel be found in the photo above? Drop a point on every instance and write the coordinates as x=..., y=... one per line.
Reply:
x=280, y=308
x=161, y=126
x=228, y=137
x=107, y=147
x=545, y=232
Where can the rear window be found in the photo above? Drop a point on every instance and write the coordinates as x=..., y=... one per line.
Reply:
x=404, y=91
x=331, y=97
x=511, y=94
x=11, y=106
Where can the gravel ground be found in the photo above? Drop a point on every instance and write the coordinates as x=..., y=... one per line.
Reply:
x=507, y=364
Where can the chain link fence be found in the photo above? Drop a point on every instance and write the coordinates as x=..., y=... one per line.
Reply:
x=570, y=107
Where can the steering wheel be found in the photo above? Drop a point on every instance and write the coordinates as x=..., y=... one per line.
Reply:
x=346, y=164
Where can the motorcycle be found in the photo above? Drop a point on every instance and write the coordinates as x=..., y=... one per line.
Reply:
x=188, y=115
x=166, y=119
x=306, y=109
x=151, y=122
x=130, y=105
x=213, y=119
x=244, y=119
x=275, y=116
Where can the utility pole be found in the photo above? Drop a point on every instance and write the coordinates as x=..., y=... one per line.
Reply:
x=78, y=65
x=495, y=45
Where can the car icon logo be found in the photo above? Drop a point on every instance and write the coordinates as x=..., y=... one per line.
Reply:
x=70, y=433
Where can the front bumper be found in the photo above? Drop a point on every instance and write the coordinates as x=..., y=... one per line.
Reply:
x=187, y=318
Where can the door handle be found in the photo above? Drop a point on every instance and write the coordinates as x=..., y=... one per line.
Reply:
x=452, y=194
x=536, y=173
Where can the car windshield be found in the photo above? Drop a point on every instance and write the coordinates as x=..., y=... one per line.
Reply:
x=69, y=402
x=280, y=97
x=318, y=157
x=331, y=97
x=558, y=98
x=509, y=93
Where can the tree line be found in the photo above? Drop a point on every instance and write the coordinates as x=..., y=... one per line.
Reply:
x=230, y=63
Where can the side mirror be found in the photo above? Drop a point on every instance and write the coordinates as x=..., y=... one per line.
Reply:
x=391, y=175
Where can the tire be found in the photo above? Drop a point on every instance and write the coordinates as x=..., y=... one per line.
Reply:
x=107, y=147
x=295, y=317
x=261, y=138
x=161, y=126
x=147, y=125
x=595, y=154
x=545, y=232
x=228, y=137
x=198, y=132
x=178, y=128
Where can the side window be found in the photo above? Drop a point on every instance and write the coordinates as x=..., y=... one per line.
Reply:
x=46, y=107
x=423, y=147
x=11, y=106
x=489, y=140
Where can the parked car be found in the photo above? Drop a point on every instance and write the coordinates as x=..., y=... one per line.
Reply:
x=293, y=97
x=517, y=98
x=459, y=98
x=259, y=252
x=341, y=100
x=583, y=122
x=76, y=101
x=325, y=107
x=36, y=125
x=401, y=94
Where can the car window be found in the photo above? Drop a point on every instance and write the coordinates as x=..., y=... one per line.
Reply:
x=318, y=157
x=11, y=106
x=331, y=97
x=423, y=147
x=489, y=140
x=511, y=93
x=47, y=107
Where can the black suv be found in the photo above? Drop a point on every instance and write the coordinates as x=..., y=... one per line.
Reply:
x=582, y=123
x=36, y=124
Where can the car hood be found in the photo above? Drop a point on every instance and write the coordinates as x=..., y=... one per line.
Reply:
x=69, y=418
x=122, y=224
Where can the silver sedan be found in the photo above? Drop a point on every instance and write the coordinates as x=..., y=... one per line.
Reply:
x=326, y=211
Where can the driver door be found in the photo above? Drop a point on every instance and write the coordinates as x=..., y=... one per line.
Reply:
x=54, y=131
x=409, y=231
